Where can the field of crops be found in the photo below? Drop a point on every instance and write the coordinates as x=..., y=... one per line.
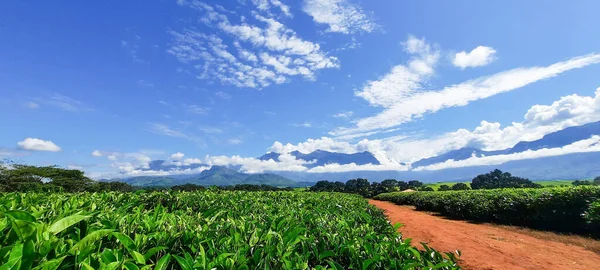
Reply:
x=203, y=230
x=561, y=209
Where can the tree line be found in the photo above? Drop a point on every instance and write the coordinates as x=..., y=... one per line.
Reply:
x=492, y=180
x=27, y=178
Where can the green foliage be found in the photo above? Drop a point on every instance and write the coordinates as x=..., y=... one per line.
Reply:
x=592, y=215
x=211, y=229
x=460, y=186
x=364, y=188
x=444, y=188
x=558, y=209
x=582, y=183
x=27, y=178
x=499, y=179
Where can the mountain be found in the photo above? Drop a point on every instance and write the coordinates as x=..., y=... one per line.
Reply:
x=217, y=176
x=325, y=157
x=560, y=138
x=552, y=140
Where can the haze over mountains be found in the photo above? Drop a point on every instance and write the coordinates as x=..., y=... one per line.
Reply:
x=567, y=166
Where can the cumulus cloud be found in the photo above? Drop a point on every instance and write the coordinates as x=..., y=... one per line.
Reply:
x=340, y=16
x=589, y=145
x=35, y=144
x=478, y=57
x=402, y=98
x=263, y=52
x=177, y=156
x=97, y=153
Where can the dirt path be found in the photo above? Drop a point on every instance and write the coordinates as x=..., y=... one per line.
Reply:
x=485, y=246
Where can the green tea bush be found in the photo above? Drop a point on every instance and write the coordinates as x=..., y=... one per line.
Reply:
x=560, y=209
x=211, y=229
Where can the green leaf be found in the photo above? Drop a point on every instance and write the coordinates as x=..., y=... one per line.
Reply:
x=369, y=262
x=14, y=259
x=86, y=266
x=326, y=254
x=65, y=223
x=20, y=215
x=51, y=264
x=28, y=255
x=90, y=239
x=153, y=251
x=335, y=265
x=163, y=262
x=183, y=263
x=131, y=266
x=125, y=240
x=139, y=258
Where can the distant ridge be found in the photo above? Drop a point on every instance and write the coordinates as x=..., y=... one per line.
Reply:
x=552, y=140
x=325, y=157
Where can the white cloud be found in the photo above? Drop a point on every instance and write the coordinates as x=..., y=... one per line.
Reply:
x=96, y=153
x=34, y=144
x=589, y=145
x=210, y=130
x=478, y=57
x=283, y=53
x=343, y=114
x=195, y=109
x=286, y=162
x=65, y=103
x=340, y=16
x=31, y=105
x=266, y=5
x=305, y=125
x=177, y=156
x=568, y=111
x=400, y=92
x=163, y=129
x=74, y=167
x=234, y=141
x=223, y=95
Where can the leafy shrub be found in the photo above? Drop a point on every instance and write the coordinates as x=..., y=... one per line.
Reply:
x=592, y=215
x=212, y=229
x=560, y=209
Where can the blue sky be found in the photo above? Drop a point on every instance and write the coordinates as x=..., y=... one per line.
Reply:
x=222, y=82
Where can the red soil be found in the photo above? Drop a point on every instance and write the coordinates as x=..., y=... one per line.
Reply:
x=484, y=246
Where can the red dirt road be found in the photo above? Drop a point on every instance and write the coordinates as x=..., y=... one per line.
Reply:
x=487, y=247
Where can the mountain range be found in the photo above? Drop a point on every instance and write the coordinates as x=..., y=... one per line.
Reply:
x=570, y=166
x=552, y=140
x=321, y=157
x=216, y=175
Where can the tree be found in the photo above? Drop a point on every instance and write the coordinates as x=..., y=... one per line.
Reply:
x=460, y=186
x=582, y=183
x=414, y=184
x=597, y=181
x=499, y=179
x=426, y=189
x=444, y=188
x=402, y=185
x=359, y=186
x=389, y=185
